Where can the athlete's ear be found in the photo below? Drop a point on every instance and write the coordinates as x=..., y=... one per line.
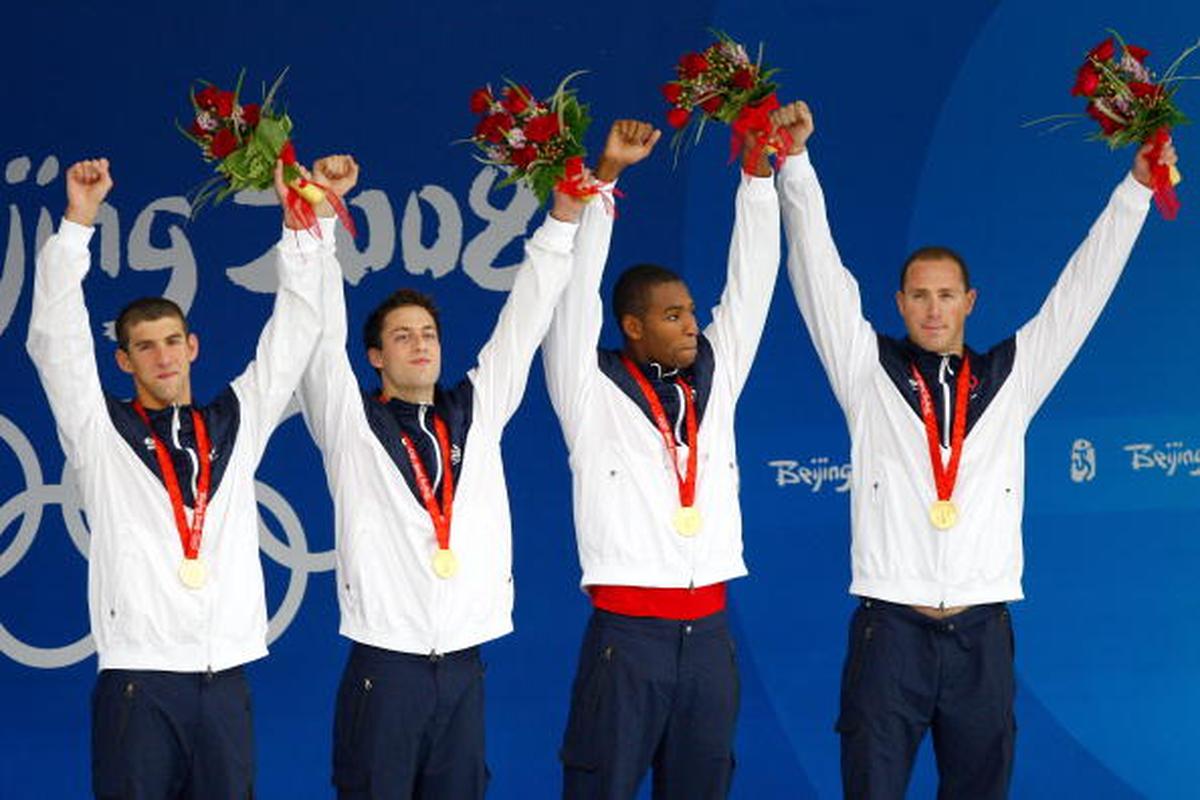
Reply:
x=123, y=360
x=632, y=327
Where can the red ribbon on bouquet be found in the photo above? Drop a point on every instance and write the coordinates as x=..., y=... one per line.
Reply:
x=578, y=183
x=301, y=208
x=756, y=118
x=1160, y=176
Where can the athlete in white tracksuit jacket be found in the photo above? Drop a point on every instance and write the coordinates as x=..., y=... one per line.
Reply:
x=410, y=705
x=931, y=642
x=171, y=708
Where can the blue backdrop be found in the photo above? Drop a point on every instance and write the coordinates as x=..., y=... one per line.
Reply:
x=918, y=110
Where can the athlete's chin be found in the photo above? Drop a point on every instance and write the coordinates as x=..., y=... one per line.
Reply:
x=685, y=357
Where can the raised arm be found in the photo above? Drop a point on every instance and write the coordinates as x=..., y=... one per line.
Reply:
x=825, y=290
x=1047, y=343
x=569, y=349
x=329, y=393
x=503, y=368
x=753, y=266
x=60, y=337
x=288, y=338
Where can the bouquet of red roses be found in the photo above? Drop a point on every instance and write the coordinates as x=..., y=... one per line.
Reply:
x=1130, y=106
x=537, y=141
x=244, y=141
x=723, y=84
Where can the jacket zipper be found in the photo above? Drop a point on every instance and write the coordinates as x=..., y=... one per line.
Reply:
x=438, y=589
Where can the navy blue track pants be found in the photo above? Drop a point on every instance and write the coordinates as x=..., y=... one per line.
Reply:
x=172, y=735
x=410, y=726
x=652, y=694
x=906, y=673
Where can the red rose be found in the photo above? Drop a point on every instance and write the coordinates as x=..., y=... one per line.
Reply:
x=743, y=78
x=1107, y=123
x=224, y=104
x=1142, y=90
x=693, y=64
x=540, y=129
x=1103, y=51
x=223, y=143
x=1138, y=53
x=516, y=100
x=206, y=98
x=287, y=153
x=678, y=117
x=1087, y=80
x=481, y=100
x=713, y=104
x=198, y=131
x=672, y=92
x=493, y=128
x=251, y=114
x=522, y=157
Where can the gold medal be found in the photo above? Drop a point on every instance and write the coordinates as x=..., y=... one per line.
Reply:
x=445, y=564
x=943, y=514
x=192, y=573
x=687, y=521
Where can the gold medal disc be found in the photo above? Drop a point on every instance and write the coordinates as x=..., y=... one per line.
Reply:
x=687, y=521
x=192, y=573
x=445, y=564
x=943, y=514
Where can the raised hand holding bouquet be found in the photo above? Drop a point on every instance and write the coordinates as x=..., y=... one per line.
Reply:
x=539, y=142
x=721, y=83
x=1131, y=107
x=244, y=142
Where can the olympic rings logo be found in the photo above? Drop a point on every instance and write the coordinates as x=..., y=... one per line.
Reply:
x=30, y=503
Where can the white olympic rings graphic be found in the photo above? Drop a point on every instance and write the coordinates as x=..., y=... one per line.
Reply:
x=28, y=504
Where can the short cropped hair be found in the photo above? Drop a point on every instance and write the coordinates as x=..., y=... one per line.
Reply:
x=633, y=286
x=373, y=329
x=933, y=253
x=145, y=309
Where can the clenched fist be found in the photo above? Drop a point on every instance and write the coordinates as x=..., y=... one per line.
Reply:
x=629, y=141
x=88, y=183
x=338, y=172
x=797, y=120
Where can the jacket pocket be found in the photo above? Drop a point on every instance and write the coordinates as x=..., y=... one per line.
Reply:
x=583, y=741
x=859, y=649
x=114, y=700
x=350, y=756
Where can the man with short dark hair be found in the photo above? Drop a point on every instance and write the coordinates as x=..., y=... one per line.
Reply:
x=657, y=520
x=175, y=587
x=424, y=541
x=938, y=448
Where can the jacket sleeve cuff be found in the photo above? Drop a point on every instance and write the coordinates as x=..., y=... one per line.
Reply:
x=294, y=242
x=756, y=187
x=1133, y=193
x=74, y=235
x=796, y=166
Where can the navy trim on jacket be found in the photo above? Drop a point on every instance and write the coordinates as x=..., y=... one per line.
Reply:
x=221, y=418
x=388, y=419
x=699, y=375
x=989, y=371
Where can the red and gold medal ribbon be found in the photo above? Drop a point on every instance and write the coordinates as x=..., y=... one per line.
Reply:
x=189, y=535
x=440, y=515
x=945, y=475
x=687, y=483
